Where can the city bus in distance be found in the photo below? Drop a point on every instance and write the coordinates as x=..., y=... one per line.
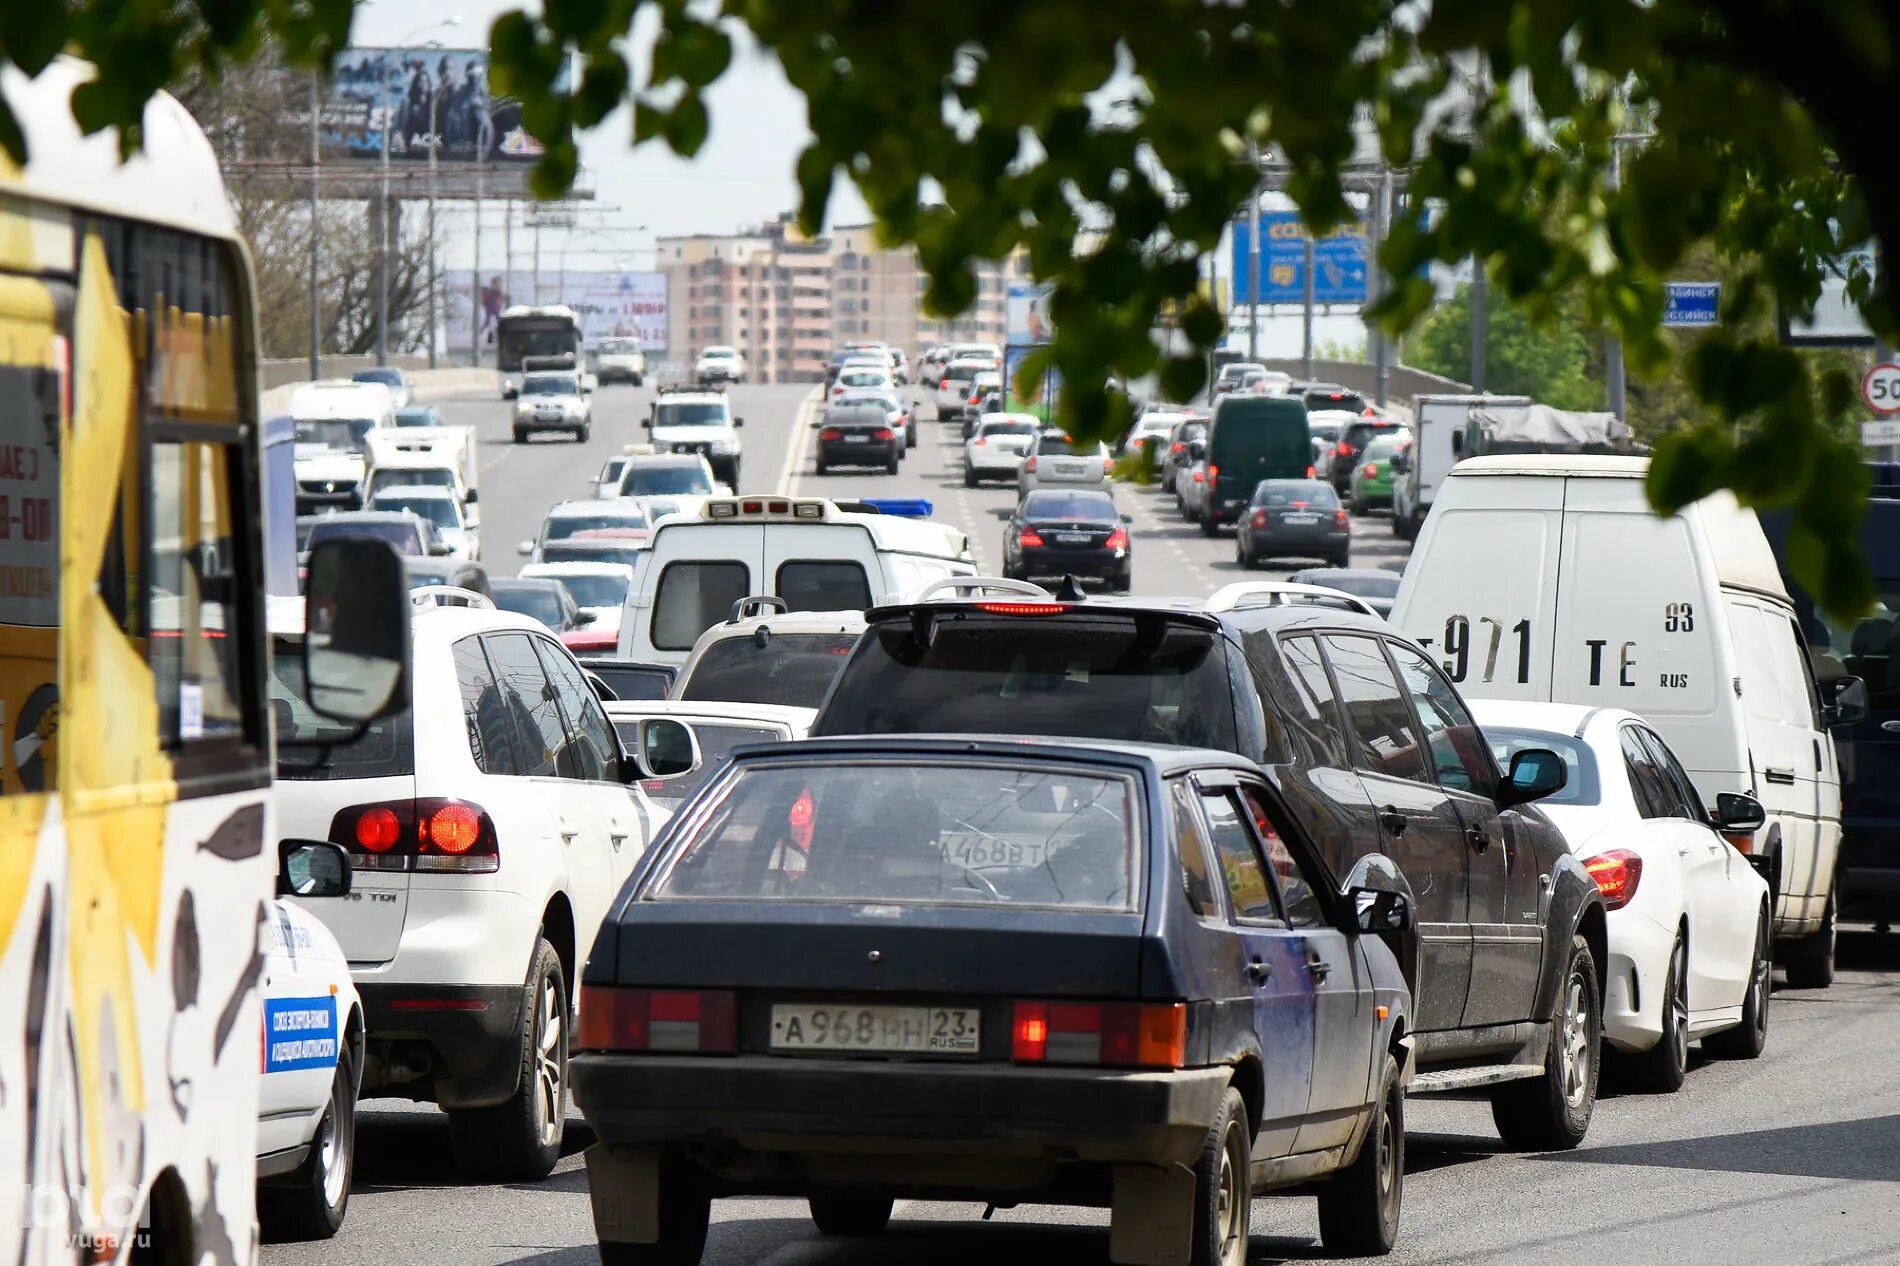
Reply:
x=136, y=850
x=552, y=330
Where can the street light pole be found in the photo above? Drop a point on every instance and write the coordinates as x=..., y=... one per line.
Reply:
x=435, y=143
x=316, y=107
x=1613, y=354
x=1253, y=266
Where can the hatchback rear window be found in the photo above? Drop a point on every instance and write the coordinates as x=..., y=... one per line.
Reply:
x=900, y=832
x=789, y=668
x=1289, y=492
x=313, y=748
x=1062, y=446
x=1142, y=677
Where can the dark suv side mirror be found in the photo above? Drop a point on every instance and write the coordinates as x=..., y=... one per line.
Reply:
x=1536, y=772
x=1846, y=701
x=312, y=868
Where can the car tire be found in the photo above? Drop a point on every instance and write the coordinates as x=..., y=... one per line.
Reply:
x=838, y=1213
x=520, y=1140
x=1359, y=1208
x=685, y=1215
x=521, y=436
x=1208, y=526
x=639, y=380
x=891, y=469
x=1551, y=1112
x=1357, y=504
x=910, y=435
x=819, y=468
x=1244, y=557
x=1223, y=1187
x=1122, y=584
x=1810, y=961
x=580, y=436
x=1343, y=559
x=969, y=478
x=313, y=1208
x=1748, y=1039
x=1661, y=1068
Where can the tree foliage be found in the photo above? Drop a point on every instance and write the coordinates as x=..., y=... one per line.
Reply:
x=974, y=128
x=1549, y=361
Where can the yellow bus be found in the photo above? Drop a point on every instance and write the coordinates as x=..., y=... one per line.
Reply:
x=136, y=851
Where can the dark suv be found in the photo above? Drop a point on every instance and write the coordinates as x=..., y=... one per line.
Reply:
x=1353, y=440
x=1368, y=743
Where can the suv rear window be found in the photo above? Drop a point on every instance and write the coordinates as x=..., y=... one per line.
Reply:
x=1143, y=677
x=790, y=668
x=692, y=597
x=312, y=748
x=934, y=834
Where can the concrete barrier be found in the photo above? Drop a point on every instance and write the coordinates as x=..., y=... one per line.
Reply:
x=425, y=384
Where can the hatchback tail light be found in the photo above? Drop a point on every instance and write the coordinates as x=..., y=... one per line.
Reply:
x=1344, y=450
x=1029, y=464
x=1260, y=518
x=979, y=441
x=682, y=1021
x=1030, y=539
x=1617, y=873
x=429, y=833
x=1371, y=470
x=1118, y=539
x=1125, y=1034
x=831, y=433
x=1108, y=465
x=1340, y=520
x=1200, y=477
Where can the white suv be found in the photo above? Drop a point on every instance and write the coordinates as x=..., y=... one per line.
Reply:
x=719, y=364
x=490, y=825
x=696, y=420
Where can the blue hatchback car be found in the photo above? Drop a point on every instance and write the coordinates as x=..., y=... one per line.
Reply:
x=862, y=970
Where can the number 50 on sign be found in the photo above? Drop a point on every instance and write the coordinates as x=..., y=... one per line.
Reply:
x=1881, y=388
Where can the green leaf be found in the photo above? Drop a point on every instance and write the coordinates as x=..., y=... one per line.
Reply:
x=687, y=125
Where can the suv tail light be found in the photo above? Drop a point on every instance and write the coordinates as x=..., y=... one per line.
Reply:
x=430, y=833
x=1344, y=450
x=702, y=1021
x=1118, y=539
x=1030, y=539
x=1213, y=474
x=1617, y=873
x=1029, y=464
x=1128, y=1034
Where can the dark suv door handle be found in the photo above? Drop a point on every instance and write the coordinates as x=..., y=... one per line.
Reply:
x=1318, y=968
x=1392, y=820
x=1259, y=971
x=1479, y=840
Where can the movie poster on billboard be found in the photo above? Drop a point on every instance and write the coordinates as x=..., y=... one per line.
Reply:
x=432, y=98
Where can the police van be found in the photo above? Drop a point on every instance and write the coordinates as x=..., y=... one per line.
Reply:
x=815, y=554
x=1548, y=577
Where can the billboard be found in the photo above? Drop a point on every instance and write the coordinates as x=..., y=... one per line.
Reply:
x=1341, y=260
x=1026, y=313
x=429, y=99
x=608, y=303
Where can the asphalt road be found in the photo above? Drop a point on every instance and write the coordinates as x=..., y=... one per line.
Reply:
x=1790, y=1159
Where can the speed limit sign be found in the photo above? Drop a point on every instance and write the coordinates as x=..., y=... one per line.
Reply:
x=1881, y=388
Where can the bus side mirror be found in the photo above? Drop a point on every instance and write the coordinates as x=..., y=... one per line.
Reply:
x=356, y=640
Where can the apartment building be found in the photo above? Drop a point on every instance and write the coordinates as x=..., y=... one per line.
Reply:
x=786, y=301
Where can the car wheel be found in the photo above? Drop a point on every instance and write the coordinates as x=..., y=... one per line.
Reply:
x=1122, y=583
x=892, y=468
x=520, y=1140
x=1810, y=961
x=639, y=380
x=818, y=468
x=521, y=436
x=1661, y=1068
x=1747, y=1039
x=910, y=436
x=685, y=1212
x=1208, y=526
x=1357, y=504
x=1188, y=512
x=1343, y=558
x=969, y=478
x=313, y=1208
x=1359, y=1208
x=580, y=436
x=834, y=1213
x=1223, y=1187
x=1244, y=557
x=1551, y=1112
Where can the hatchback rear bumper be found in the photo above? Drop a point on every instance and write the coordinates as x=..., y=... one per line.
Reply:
x=800, y=1106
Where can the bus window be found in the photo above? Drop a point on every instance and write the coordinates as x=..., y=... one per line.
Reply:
x=195, y=630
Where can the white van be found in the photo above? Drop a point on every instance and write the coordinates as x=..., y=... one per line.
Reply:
x=1549, y=577
x=804, y=550
x=334, y=418
x=1438, y=427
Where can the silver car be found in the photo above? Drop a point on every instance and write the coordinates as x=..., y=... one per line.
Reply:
x=997, y=449
x=1056, y=461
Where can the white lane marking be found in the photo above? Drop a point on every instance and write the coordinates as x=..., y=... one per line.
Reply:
x=801, y=439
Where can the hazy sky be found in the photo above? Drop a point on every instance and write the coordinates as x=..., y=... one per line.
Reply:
x=742, y=175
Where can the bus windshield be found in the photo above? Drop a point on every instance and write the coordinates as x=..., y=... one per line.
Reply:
x=534, y=336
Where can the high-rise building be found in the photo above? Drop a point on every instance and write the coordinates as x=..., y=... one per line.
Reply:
x=785, y=301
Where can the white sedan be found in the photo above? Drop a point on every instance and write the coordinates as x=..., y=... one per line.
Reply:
x=1690, y=948
x=996, y=450
x=312, y=1055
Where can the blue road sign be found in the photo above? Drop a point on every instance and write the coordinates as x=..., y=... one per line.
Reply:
x=1691, y=304
x=1340, y=260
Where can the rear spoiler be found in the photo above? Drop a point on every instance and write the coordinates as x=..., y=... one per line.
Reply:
x=449, y=596
x=1274, y=593
x=959, y=587
x=757, y=604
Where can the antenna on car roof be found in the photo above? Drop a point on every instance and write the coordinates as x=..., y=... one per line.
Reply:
x=1071, y=590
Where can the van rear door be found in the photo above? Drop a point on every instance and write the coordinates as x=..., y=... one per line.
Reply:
x=693, y=574
x=820, y=566
x=1481, y=592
